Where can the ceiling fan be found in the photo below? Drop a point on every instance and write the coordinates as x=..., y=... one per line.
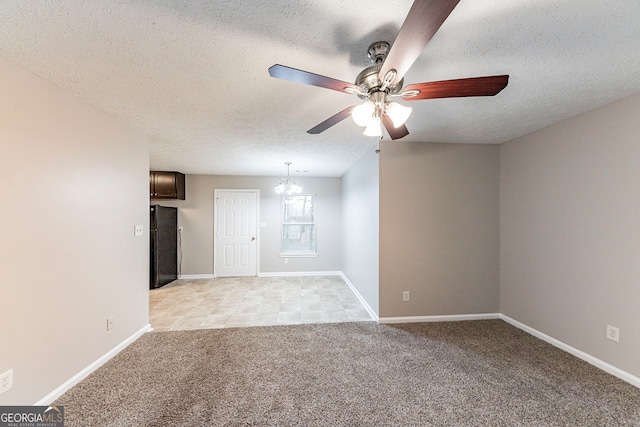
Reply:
x=382, y=82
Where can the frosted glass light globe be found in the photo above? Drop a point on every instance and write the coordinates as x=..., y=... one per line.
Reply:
x=373, y=128
x=363, y=113
x=398, y=113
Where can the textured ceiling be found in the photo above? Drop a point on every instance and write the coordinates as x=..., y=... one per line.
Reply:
x=192, y=74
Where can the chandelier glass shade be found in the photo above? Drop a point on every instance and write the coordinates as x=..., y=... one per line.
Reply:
x=288, y=185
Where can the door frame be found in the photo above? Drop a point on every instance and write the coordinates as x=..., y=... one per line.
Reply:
x=216, y=191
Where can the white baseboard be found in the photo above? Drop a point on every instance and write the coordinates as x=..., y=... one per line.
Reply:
x=444, y=318
x=51, y=397
x=274, y=274
x=364, y=302
x=625, y=376
x=300, y=273
x=195, y=276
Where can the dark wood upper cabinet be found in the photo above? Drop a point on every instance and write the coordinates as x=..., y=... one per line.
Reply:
x=166, y=185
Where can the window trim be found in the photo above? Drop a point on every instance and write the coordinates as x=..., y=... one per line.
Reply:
x=314, y=223
x=298, y=255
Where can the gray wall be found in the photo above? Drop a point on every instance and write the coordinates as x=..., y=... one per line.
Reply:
x=361, y=224
x=74, y=184
x=195, y=214
x=439, y=229
x=570, y=239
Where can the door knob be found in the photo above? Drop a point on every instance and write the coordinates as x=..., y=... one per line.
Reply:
x=253, y=238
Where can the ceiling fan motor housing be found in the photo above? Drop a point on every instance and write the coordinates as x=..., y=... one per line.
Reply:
x=369, y=79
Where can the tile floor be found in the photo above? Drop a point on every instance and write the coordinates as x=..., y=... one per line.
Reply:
x=253, y=301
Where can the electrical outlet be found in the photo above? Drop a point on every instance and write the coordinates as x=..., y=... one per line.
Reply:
x=181, y=229
x=138, y=230
x=613, y=333
x=406, y=296
x=109, y=323
x=6, y=381
x=285, y=260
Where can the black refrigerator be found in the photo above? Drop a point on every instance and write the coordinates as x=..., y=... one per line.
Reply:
x=164, y=245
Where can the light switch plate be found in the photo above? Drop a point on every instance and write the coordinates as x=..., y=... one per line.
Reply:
x=6, y=381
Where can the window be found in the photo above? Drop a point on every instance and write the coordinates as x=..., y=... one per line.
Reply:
x=299, y=225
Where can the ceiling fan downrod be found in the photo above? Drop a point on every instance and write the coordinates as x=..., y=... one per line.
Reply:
x=378, y=51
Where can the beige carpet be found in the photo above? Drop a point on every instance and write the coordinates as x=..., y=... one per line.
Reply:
x=481, y=373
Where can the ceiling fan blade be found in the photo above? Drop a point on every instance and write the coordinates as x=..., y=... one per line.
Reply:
x=424, y=19
x=472, y=86
x=394, y=133
x=305, y=77
x=335, y=119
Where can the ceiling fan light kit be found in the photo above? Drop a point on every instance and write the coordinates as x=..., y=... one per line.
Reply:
x=373, y=128
x=369, y=112
x=288, y=185
x=363, y=113
x=379, y=83
x=398, y=113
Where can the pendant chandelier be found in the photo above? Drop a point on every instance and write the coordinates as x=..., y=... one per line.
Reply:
x=288, y=185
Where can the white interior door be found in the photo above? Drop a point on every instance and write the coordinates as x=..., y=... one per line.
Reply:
x=236, y=239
